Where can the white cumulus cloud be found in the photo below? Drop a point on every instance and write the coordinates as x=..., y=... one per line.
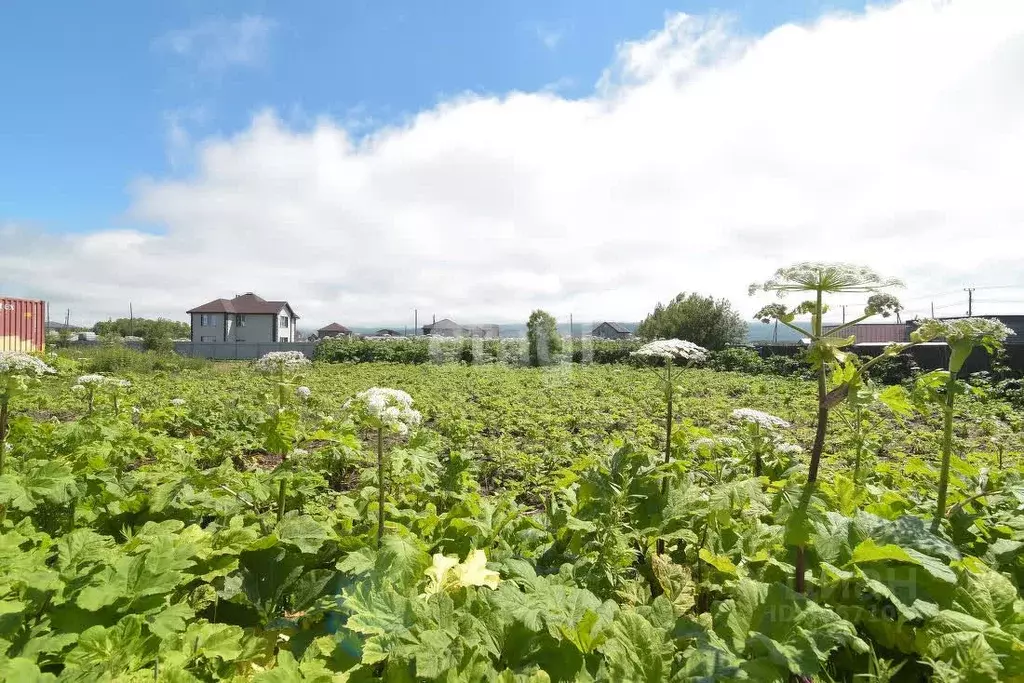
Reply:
x=705, y=159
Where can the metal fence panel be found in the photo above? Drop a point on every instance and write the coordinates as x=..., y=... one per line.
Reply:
x=239, y=350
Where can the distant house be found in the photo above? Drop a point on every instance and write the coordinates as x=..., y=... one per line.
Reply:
x=246, y=318
x=608, y=330
x=445, y=328
x=449, y=328
x=387, y=333
x=333, y=330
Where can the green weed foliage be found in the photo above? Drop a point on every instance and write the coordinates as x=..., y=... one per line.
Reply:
x=522, y=523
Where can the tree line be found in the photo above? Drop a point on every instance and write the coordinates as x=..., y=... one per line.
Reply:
x=712, y=323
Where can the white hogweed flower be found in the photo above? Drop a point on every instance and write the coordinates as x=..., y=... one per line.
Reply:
x=963, y=329
x=95, y=380
x=303, y=393
x=120, y=383
x=300, y=451
x=757, y=417
x=177, y=402
x=784, y=448
x=678, y=349
x=828, y=277
x=78, y=389
x=18, y=363
x=386, y=408
x=278, y=361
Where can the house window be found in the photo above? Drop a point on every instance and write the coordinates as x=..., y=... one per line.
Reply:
x=240, y=319
x=204, y=320
x=284, y=321
x=207, y=340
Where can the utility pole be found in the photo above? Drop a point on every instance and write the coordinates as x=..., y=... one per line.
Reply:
x=775, y=334
x=933, y=309
x=570, y=326
x=415, y=321
x=970, y=301
x=131, y=320
x=844, y=313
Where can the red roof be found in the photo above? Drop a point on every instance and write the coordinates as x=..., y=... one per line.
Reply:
x=248, y=303
x=335, y=327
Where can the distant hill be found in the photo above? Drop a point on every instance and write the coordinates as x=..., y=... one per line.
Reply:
x=763, y=332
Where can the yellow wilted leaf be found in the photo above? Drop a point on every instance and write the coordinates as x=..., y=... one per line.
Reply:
x=447, y=573
x=439, y=573
x=474, y=571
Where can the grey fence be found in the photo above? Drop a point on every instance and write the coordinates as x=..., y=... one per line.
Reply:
x=239, y=351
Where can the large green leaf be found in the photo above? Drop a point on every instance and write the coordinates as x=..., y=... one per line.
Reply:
x=302, y=532
x=21, y=670
x=777, y=629
x=114, y=650
x=635, y=651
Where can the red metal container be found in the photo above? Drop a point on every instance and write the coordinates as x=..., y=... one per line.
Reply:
x=22, y=325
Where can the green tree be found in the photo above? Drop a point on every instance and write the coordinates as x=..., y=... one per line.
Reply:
x=704, y=320
x=144, y=327
x=542, y=337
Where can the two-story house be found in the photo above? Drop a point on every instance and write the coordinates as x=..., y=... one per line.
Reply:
x=246, y=318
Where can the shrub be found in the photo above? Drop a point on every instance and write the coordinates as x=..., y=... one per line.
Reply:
x=894, y=369
x=737, y=359
x=116, y=359
x=712, y=323
x=542, y=336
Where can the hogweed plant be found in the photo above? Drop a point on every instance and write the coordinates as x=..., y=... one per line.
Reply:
x=117, y=387
x=673, y=353
x=941, y=387
x=383, y=410
x=283, y=369
x=18, y=371
x=87, y=386
x=825, y=352
x=760, y=432
x=864, y=424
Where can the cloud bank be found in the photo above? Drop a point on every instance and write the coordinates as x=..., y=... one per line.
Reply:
x=704, y=160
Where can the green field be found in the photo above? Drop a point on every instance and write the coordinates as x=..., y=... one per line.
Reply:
x=146, y=543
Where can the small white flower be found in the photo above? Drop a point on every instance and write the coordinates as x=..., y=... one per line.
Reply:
x=788, y=449
x=390, y=408
x=18, y=363
x=276, y=361
x=763, y=419
x=303, y=393
x=177, y=402
x=672, y=348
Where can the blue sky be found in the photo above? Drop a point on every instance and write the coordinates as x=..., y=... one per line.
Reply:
x=95, y=93
x=170, y=153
